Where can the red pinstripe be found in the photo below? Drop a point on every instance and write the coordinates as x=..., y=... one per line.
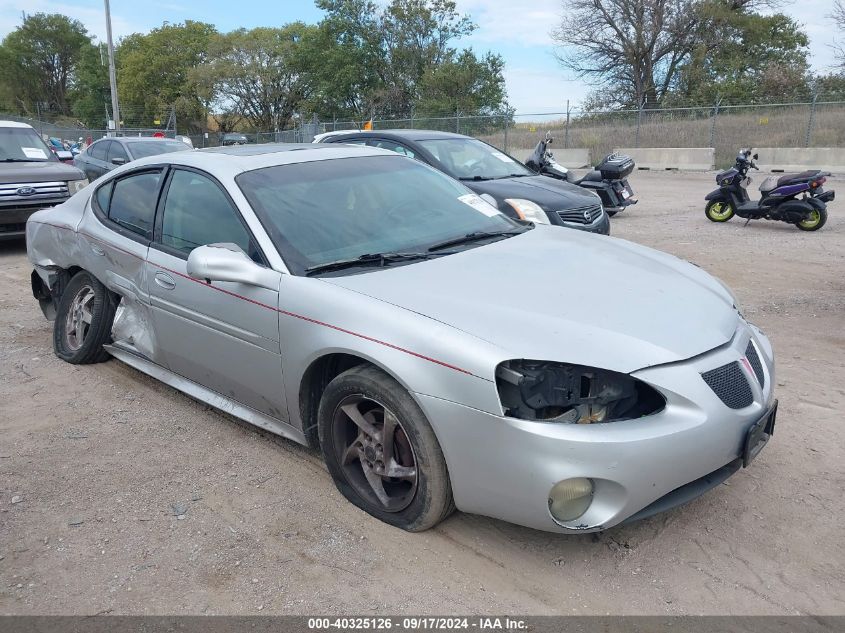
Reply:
x=275, y=309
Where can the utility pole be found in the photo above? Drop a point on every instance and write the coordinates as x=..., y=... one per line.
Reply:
x=115, y=109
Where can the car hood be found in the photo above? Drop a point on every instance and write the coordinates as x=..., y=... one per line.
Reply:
x=549, y=193
x=552, y=294
x=46, y=171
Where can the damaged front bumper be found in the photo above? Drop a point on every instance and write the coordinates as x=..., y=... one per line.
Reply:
x=505, y=467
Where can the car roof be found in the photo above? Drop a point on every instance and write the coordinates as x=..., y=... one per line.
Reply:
x=17, y=124
x=408, y=135
x=231, y=161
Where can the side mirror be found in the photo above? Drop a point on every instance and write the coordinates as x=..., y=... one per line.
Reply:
x=227, y=262
x=118, y=161
x=755, y=157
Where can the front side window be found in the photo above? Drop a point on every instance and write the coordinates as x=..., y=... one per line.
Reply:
x=329, y=210
x=393, y=146
x=142, y=149
x=197, y=212
x=23, y=145
x=99, y=149
x=133, y=202
x=117, y=151
x=471, y=159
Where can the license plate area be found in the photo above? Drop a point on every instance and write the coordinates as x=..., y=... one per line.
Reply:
x=758, y=435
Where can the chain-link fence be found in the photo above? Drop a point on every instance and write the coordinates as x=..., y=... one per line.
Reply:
x=725, y=127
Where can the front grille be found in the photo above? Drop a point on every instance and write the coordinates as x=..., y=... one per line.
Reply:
x=12, y=228
x=56, y=192
x=756, y=365
x=581, y=215
x=729, y=383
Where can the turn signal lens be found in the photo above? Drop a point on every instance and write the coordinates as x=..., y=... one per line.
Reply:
x=570, y=498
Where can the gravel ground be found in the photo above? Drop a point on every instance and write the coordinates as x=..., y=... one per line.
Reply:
x=121, y=495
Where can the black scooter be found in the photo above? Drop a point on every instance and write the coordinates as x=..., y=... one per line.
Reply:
x=778, y=196
x=608, y=179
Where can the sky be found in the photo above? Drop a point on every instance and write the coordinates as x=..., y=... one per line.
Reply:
x=519, y=32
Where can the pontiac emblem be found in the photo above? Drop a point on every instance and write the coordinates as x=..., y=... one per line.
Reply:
x=26, y=191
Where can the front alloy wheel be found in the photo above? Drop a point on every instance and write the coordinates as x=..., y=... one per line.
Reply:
x=381, y=451
x=374, y=453
x=719, y=211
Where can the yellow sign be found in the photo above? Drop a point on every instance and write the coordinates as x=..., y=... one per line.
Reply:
x=368, y=125
x=533, y=128
x=157, y=122
x=764, y=120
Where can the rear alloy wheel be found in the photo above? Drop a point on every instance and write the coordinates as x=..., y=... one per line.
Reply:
x=719, y=211
x=814, y=220
x=83, y=321
x=381, y=451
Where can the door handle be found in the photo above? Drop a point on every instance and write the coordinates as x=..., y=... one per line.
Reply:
x=165, y=281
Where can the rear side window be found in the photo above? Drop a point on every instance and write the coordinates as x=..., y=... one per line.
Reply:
x=133, y=202
x=99, y=149
x=103, y=194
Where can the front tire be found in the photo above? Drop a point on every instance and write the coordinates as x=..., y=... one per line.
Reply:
x=719, y=211
x=814, y=221
x=381, y=451
x=83, y=321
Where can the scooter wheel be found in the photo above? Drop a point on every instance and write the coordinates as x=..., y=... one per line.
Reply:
x=719, y=211
x=814, y=220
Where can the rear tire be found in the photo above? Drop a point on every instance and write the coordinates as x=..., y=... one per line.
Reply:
x=83, y=321
x=814, y=221
x=359, y=410
x=719, y=211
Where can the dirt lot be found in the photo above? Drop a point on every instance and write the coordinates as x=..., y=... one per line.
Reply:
x=93, y=460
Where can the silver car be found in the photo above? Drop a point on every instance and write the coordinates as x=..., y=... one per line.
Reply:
x=438, y=353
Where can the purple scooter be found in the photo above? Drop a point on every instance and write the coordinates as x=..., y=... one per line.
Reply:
x=779, y=196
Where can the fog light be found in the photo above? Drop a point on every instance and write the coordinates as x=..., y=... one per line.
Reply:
x=570, y=498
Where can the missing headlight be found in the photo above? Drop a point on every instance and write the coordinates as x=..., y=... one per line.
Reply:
x=574, y=394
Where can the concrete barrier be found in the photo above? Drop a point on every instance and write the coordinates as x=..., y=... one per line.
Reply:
x=801, y=158
x=570, y=158
x=692, y=158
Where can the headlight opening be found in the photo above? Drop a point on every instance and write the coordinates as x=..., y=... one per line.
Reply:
x=572, y=394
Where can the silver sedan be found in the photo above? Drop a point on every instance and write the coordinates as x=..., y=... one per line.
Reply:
x=437, y=353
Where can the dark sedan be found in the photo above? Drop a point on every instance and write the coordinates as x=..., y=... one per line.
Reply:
x=104, y=155
x=518, y=191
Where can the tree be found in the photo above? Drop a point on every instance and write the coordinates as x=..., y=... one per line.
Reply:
x=630, y=49
x=383, y=58
x=154, y=73
x=39, y=59
x=464, y=84
x=259, y=74
x=839, y=18
x=91, y=94
x=757, y=58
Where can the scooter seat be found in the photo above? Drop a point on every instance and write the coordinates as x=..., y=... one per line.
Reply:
x=592, y=176
x=794, y=179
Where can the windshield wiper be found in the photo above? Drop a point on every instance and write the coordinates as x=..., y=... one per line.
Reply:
x=475, y=236
x=476, y=178
x=368, y=259
x=23, y=160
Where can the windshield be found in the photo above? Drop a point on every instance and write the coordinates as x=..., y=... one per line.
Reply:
x=22, y=144
x=331, y=210
x=471, y=159
x=142, y=149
